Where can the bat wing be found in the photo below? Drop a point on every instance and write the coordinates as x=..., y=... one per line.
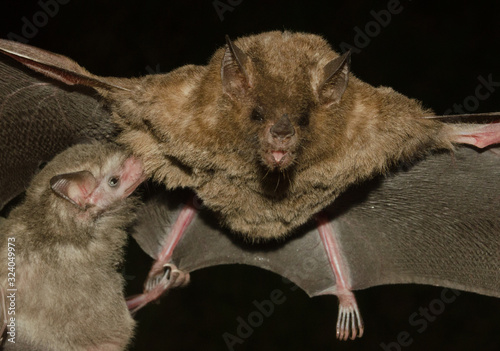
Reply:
x=38, y=119
x=435, y=222
x=300, y=258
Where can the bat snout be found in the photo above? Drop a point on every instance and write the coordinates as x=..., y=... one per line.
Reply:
x=283, y=129
x=280, y=143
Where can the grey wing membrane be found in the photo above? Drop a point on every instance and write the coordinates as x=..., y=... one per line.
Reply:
x=38, y=119
x=300, y=258
x=435, y=222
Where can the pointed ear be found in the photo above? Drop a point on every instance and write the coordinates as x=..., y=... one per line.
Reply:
x=75, y=187
x=235, y=79
x=336, y=73
x=55, y=66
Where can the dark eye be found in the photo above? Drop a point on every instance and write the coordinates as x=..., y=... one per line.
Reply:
x=256, y=116
x=113, y=181
x=303, y=119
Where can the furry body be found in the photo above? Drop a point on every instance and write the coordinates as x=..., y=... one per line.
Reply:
x=189, y=133
x=69, y=293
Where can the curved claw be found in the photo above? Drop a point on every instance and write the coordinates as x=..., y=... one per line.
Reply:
x=349, y=321
x=156, y=285
x=178, y=278
x=171, y=277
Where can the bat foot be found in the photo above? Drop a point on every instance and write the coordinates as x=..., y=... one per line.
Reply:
x=349, y=321
x=170, y=277
x=156, y=285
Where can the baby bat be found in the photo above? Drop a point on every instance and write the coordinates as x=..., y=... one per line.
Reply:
x=268, y=134
x=66, y=241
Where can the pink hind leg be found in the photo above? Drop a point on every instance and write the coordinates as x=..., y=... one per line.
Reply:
x=164, y=275
x=349, y=321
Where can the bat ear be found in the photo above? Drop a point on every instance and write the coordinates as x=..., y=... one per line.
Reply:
x=235, y=80
x=55, y=66
x=75, y=187
x=336, y=77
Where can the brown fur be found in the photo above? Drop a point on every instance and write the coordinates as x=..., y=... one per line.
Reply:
x=70, y=295
x=196, y=127
x=189, y=133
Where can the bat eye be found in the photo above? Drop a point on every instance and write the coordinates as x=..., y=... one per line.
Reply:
x=113, y=182
x=256, y=116
x=303, y=119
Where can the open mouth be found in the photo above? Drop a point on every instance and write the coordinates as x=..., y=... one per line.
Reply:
x=278, y=159
x=278, y=155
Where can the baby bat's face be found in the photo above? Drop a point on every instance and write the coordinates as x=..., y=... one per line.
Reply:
x=116, y=181
x=104, y=176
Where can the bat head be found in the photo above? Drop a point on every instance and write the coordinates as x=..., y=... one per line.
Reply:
x=100, y=185
x=279, y=89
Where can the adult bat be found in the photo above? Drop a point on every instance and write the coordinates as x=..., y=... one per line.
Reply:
x=62, y=247
x=406, y=206
x=266, y=159
x=434, y=222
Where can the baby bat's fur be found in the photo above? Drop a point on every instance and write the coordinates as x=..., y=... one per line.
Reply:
x=69, y=293
x=193, y=128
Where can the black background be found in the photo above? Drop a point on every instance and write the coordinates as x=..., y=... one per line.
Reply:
x=429, y=51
